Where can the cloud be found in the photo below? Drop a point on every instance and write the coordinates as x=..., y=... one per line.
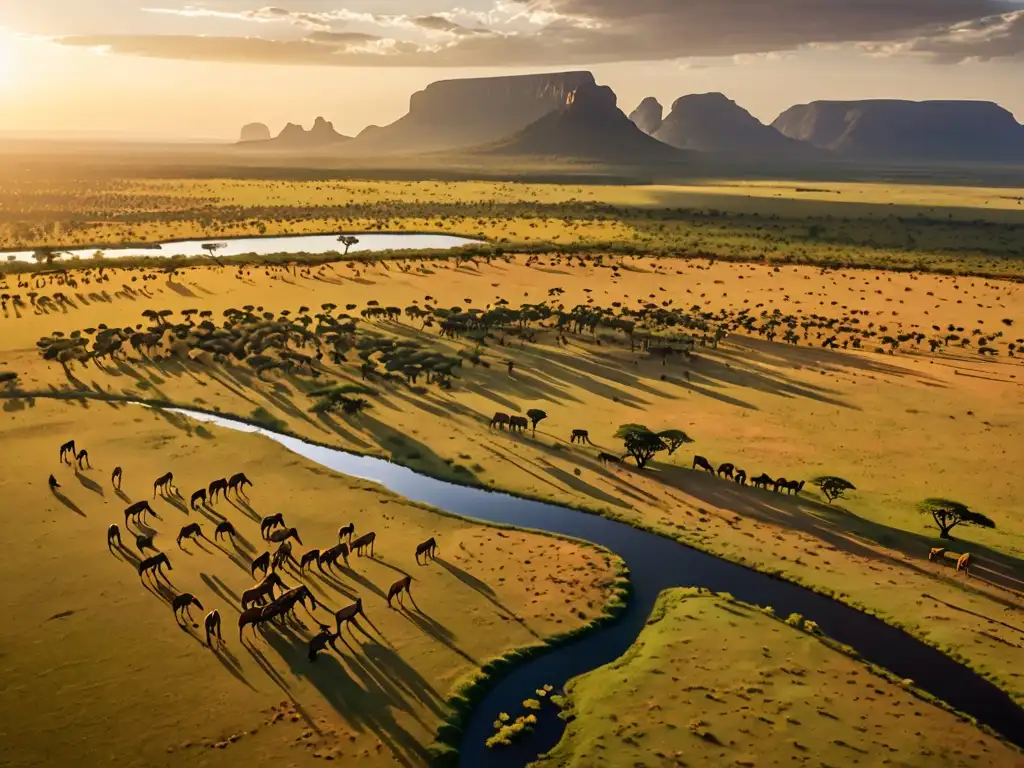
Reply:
x=583, y=32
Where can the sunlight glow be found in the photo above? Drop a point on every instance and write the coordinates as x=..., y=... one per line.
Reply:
x=9, y=62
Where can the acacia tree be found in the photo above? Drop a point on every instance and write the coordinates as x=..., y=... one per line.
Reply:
x=833, y=487
x=641, y=443
x=948, y=514
x=674, y=438
x=536, y=416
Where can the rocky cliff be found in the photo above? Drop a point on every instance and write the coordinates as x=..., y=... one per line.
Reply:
x=460, y=113
x=255, y=132
x=588, y=126
x=294, y=136
x=711, y=122
x=648, y=115
x=908, y=130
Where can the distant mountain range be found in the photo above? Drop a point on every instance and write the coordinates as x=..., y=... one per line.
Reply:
x=567, y=115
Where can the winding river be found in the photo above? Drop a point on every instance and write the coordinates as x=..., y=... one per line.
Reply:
x=655, y=563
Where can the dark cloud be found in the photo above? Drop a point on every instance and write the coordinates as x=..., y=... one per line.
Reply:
x=576, y=32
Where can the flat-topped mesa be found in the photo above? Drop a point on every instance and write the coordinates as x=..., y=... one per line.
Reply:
x=452, y=114
x=907, y=130
x=648, y=115
x=254, y=132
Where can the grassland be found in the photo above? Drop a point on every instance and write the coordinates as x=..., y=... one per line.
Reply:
x=96, y=671
x=924, y=227
x=712, y=681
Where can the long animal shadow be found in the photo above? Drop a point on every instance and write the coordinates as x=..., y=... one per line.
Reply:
x=67, y=502
x=88, y=483
x=485, y=591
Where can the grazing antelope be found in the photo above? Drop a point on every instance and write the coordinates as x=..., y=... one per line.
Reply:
x=936, y=552
x=329, y=557
x=163, y=484
x=238, y=482
x=261, y=563
x=54, y=485
x=113, y=534
x=364, y=541
x=608, y=458
x=762, y=481
x=702, y=463
x=346, y=532
x=182, y=605
x=137, y=510
x=428, y=549
x=190, y=531
x=253, y=616
x=282, y=555
x=309, y=558
x=349, y=613
x=217, y=486
x=83, y=456
x=963, y=563
x=68, y=447
x=284, y=534
x=198, y=498
x=396, y=589
x=271, y=521
x=792, y=486
x=286, y=603
x=262, y=590
x=321, y=641
x=726, y=470
x=779, y=483
x=212, y=623
x=500, y=420
x=155, y=565
x=115, y=478
x=580, y=436
x=224, y=529
x=145, y=541
x=741, y=476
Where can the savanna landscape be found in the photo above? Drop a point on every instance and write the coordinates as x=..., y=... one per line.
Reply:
x=833, y=398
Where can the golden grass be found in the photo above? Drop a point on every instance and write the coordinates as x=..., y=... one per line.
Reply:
x=715, y=682
x=95, y=669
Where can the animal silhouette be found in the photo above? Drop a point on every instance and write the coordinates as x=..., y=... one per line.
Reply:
x=182, y=605
x=83, y=456
x=198, y=498
x=137, y=510
x=762, y=481
x=726, y=470
x=238, y=482
x=741, y=477
x=580, y=436
x=284, y=534
x=608, y=458
x=212, y=624
x=262, y=591
x=68, y=447
x=518, y=424
x=261, y=563
x=115, y=478
x=702, y=463
x=217, y=487
x=271, y=521
x=346, y=532
x=348, y=613
x=154, y=565
x=145, y=541
x=500, y=420
x=253, y=616
x=282, y=556
x=224, y=529
x=163, y=484
x=320, y=641
x=792, y=486
x=113, y=534
x=396, y=590
x=330, y=556
x=963, y=563
x=364, y=541
x=286, y=602
x=428, y=549
x=308, y=558
x=54, y=485
x=190, y=531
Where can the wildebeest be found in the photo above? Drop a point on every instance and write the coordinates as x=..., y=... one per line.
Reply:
x=518, y=423
x=284, y=534
x=271, y=521
x=137, y=510
x=115, y=478
x=212, y=623
x=83, y=456
x=609, y=458
x=238, y=482
x=702, y=463
x=113, y=534
x=500, y=420
x=260, y=563
x=741, y=476
x=349, y=613
x=580, y=436
x=346, y=532
x=308, y=558
x=145, y=541
x=726, y=470
x=66, y=448
x=183, y=603
x=329, y=557
x=224, y=528
x=155, y=565
x=396, y=589
x=199, y=497
x=217, y=486
x=263, y=590
x=428, y=549
x=364, y=541
x=190, y=531
x=163, y=484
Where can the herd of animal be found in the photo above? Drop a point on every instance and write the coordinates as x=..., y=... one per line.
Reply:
x=260, y=605
x=764, y=480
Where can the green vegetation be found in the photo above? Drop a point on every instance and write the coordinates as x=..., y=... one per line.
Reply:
x=948, y=514
x=833, y=487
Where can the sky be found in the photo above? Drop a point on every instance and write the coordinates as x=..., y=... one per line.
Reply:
x=157, y=69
